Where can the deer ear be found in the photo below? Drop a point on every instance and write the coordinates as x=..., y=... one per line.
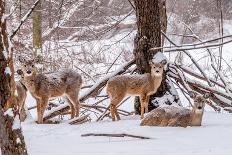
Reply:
x=163, y=62
x=36, y=60
x=206, y=95
x=20, y=72
x=192, y=95
x=151, y=62
x=21, y=59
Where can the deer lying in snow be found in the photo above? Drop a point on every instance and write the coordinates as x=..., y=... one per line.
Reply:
x=142, y=85
x=45, y=86
x=21, y=97
x=177, y=116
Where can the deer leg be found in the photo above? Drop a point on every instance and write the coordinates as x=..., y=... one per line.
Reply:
x=113, y=106
x=71, y=108
x=74, y=104
x=23, y=111
x=43, y=106
x=117, y=114
x=77, y=108
x=143, y=104
x=146, y=103
x=112, y=111
x=22, y=114
x=38, y=103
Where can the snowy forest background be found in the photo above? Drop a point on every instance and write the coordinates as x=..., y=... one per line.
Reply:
x=96, y=38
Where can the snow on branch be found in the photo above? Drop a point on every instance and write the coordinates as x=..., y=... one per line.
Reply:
x=159, y=57
x=24, y=19
x=193, y=60
x=68, y=14
x=191, y=46
x=201, y=86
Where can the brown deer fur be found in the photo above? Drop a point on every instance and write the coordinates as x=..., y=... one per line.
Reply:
x=21, y=97
x=142, y=85
x=176, y=116
x=45, y=86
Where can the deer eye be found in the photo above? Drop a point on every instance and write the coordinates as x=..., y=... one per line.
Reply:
x=25, y=65
x=32, y=65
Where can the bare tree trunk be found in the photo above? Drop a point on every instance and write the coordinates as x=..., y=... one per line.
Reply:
x=148, y=35
x=11, y=138
x=163, y=18
x=37, y=30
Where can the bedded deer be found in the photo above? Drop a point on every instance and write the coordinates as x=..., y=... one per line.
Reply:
x=45, y=86
x=142, y=85
x=177, y=116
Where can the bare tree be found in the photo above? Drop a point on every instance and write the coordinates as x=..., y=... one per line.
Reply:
x=11, y=138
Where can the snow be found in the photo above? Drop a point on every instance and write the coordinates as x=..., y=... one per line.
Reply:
x=16, y=123
x=213, y=137
x=8, y=71
x=159, y=57
x=9, y=112
x=66, y=139
x=18, y=141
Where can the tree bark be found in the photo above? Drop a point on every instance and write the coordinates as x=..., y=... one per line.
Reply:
x=37, y=30
x=11, y=138
x=163, y=18
x=148, y=14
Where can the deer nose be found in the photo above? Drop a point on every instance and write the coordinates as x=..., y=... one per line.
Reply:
x=199, y=107
x=28, y=72
x=157, y=71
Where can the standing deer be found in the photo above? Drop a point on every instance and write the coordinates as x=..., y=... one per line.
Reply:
x=142, y=85
x=45, y=86
x=177, y=116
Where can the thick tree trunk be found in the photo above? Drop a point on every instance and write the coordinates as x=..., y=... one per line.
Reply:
x=148, y=35
x=11, y=138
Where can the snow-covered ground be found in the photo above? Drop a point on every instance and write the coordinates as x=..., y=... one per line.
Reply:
x=213, y=137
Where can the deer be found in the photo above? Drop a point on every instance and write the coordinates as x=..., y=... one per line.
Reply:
x=176, y=115
x=142, y=85
x=43, y=87
x=20, y=98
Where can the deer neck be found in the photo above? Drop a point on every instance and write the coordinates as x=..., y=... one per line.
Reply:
x=156, y=80
x=196, y=117
x=29, y=82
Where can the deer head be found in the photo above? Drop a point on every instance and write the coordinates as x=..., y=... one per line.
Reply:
x=157, y=68
x=199, y=102
x=27, y=67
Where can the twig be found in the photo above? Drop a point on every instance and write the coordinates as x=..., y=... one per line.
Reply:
x=193, y=47
x=193, y=60
x=107, y=109
x=132, y=5
x=114, y=62
x=85, y=73
x=202, y=86
x=114, y=135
